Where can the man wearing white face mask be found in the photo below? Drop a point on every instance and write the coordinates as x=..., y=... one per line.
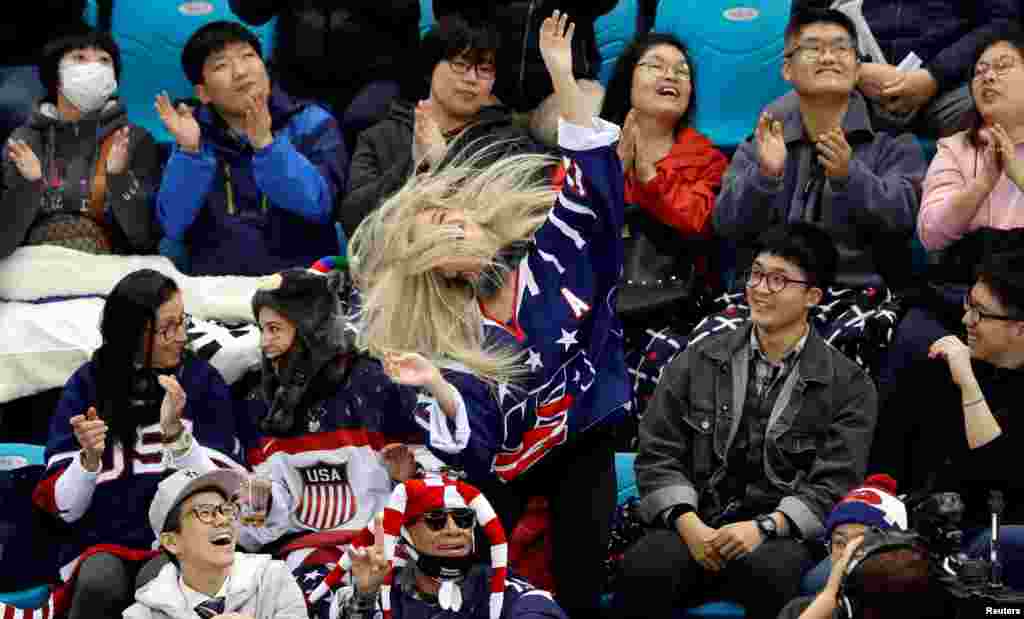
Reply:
x=78, y=174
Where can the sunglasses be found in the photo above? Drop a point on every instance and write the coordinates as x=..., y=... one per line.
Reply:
x=437, y=520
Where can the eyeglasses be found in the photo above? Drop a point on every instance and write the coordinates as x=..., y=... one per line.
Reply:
x=680, y=71
x=1002, y=66
x=437, y=520
x=484, y=70
x=842, y=50
x=168, y=333
x=974, y=315
x=776, y=281
x=206, y=513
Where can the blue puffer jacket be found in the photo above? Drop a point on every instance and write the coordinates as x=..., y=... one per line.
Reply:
x=254, y=212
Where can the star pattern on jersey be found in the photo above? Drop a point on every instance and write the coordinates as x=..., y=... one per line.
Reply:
x=568, y=339
x=503, y=392
x=534, y=360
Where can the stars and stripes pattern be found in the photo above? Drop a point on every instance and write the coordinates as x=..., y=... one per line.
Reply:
x=327, y=506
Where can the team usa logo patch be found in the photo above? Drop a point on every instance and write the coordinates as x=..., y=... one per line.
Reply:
x=328, y=501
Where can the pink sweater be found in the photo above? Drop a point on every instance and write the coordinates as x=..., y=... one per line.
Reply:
x=953, y=168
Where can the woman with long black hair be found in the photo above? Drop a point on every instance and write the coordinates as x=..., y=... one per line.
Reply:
x=142, y=405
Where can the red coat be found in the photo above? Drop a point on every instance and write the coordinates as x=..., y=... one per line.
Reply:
x=683, y=192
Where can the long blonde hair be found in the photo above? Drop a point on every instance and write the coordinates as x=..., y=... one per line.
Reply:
x=408, y=304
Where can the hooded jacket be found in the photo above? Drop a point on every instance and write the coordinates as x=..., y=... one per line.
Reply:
x=258, y=587
x=371, y=40
x=383, y=157
x=68, y=153
x=254, y=212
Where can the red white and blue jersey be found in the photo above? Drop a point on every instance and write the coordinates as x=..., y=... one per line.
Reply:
x=564, y=321
x=118, y=511
x=329, y=479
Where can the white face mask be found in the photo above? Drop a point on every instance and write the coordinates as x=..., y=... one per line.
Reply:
x=87, y=85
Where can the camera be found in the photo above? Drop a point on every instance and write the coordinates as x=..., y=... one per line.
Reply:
x=973, y=584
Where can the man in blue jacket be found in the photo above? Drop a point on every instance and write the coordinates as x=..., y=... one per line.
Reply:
x=251, y=183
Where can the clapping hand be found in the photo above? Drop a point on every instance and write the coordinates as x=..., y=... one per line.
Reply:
x=25, y=159
x=172, y=406
x=771, y=146
x=428, y=142
x=258, y=123
x=411, y=369
x=834, y=153
x=117, y=158
x=179, y=122
x=91, y=434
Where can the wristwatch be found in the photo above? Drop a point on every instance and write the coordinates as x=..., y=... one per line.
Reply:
x=766, y=524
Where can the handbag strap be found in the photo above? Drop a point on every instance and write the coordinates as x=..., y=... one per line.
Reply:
x=98, y=193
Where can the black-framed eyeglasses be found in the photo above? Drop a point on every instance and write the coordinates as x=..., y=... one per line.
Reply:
x=777, y=282
x=436, y=520
x=1002, y=65
x=812, y=52
x=168, y=333
x=975, y=315
x=484, y=70
x=206, y=513
x=680, y=71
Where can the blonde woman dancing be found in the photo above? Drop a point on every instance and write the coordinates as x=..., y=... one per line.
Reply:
x=496, y=295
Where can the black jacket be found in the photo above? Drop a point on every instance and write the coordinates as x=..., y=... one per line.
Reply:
x=924, y=441
x=816, y=442
x=383, y=157
x=74, y=147
x=511, y=17
x=329, y=49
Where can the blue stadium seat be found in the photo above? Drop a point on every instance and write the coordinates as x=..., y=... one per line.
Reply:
x=151, y=36
x=614, y=31
x=626, y=480
x=13, y=456
x=736, y=52
x=426, y=16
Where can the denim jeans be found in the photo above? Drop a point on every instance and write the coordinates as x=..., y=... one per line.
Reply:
x=20, y=89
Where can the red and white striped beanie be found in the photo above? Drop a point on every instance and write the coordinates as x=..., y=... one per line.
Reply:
x=415, y=497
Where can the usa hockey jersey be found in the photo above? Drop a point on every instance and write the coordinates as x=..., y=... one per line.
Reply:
x=118, y=511
x=564, y=321
x=329, y=479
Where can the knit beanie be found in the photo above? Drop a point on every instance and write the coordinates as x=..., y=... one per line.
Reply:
x=312, y=302
x=873, y=504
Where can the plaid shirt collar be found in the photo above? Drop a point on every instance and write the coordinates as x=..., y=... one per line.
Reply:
x=767, y=372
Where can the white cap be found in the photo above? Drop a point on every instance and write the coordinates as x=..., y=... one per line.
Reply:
x=176, y=488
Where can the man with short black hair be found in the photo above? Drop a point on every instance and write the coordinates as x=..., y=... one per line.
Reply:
x=457, y=116
x=254, y=174
x=815, y=157
x=751, y=437
x=194, y=517
x=966, y=413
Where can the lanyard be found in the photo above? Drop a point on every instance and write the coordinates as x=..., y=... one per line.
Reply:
x=229, y=190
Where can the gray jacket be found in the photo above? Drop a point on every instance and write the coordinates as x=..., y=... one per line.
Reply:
x=871, y=216
x=260, y=587
x=816, y=442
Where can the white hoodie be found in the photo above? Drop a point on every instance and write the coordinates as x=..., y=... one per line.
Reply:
x=259, y=587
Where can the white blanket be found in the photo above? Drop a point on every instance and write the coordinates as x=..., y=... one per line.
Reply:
x=42, y=344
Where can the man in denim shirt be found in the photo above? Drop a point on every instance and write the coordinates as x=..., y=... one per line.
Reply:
x=751, y=437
